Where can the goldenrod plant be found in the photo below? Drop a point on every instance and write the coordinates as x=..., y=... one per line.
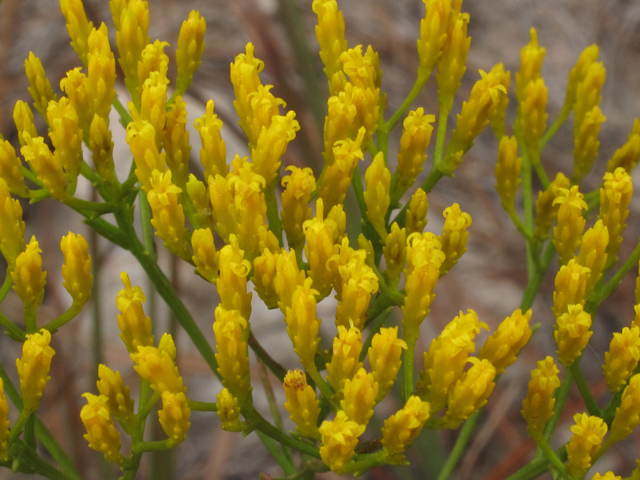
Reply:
x=252, y=227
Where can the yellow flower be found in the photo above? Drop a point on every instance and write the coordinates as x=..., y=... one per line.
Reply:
x=622, y=358
x=588, y=433
x=302, y=404
x=135, y=327
x=101, y=432
x=28, y=278
x=496, y=117
x=586, y=143
x=511, y=336
x=176, y=142
x=287, y=278
x=571, y=284
x=433, y=34
x=174, y=416
x=298, y=187
x=451, y=65
x=395, y=254
x=376, y=196
x=415, y=139
x=358, y=282
x=158, y=367
x=471, y=392
x=116, y=395
x=39, y=86
x=190, y=48
x=141, y=137
x=132, y=26
x=537, y=408
x=320, y=235
x=11, y=226
x=77, y=25
x=572, y=333
x=205, y=257
x=33, y=368
x=345, y=358
x=271, y=144
x=48, y=166
x=229, y=411
x=245, y=80
x=384, y=357
x=593, y=254
x=615, y=196
x=303, y=325
x=66, y=138
x=340, y=119
x=339, y=440
x=231, y=331
x=577, y=75
x=417, y=213
x=567, y=235
x=360, y=393
x=628, y=413
x=531, y=58
x=402, y=428
x=76, y=269
x=101, y=73
x=533, y=114
x=628, y=155
x=101, y=147
x=508, y=172
x=232, y=284
x=330, y=34
x=454, y=236
x=546, y=208
x=213, y=154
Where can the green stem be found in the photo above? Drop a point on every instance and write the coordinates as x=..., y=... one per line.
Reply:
x=6, y=286
x=30, y=318
x=407, y=365
x=147, y=229
x=527, y=193
x=285, y=462
x=432, y=179
x=552, y=457
x=147, y=405
x=125, y=118
x=323, y=386
x=562, y=394
x=538, y=466
x=413, y=94
x=278, y=370
x=365, y=462
x=535, y=281
x=202, y=406
x=600, y=294
x=153, y=446
x=562, y=117
x=375, y=324
x=583, y=387
x=36, y=464
x=460, y=446
x=445, y=108
x=97, y=207
x=12, y=330
x=517, y=222
x=73, y=311
x=30, y=433
x=537, y=165
x=275, y=223
x=18, y=426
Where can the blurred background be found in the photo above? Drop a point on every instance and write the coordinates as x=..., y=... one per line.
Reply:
x=489, y=279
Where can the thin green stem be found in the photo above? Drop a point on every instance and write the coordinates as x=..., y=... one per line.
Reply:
x=147, y=229
x=445, y=108
x=432, y=179
x=538, y=466
x=153, y=446
x=6, y=285
x=18, y=426
x=461, y=444
x=30, y=432
x=413, y=94
x=561, y=395
x=12, y=330
x=278, y=370
x=30, y=318
x=275, y=223
x=323, y=386
x=540, y=171
x=285, y=462
x=527, y=193
x=517, y=222
x=365, y=462
x=559, y=121
x=552, y=457
x=535, y=281
x=147, y=405
x=585, y=391
x=97, y=207
x=202, y=406
x=600, y=294
x=407, y=364
x=72, y=312
x=375, y=325
x=125, y=118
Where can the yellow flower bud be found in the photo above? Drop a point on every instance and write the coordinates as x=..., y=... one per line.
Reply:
x=339, y=440
x=628, y=413
x=205, y=257
x=433, y=34
x=415, y=139
x=190, y=48
x=417, y=214
x=319, y=234
x=135, y=327
x=587, y=144
x=153, y=59
x=302, y=404
x=508, y=172
x=76, y=270
x=229, y=412
x=376, y=196
x=485, y=95
x=358, y=283
x=571, y=284
x=75, y=86
x=176, y=142
x=503, y=346
x=446, y=358
x=101, y=146
x=454, y=236
x=4, y=424
x=451, y=65
x=615, y=196
x=116, y=395
x=606, y=476
x=533, y=114
x=340, y=120
x=48, y=166
x=272, y=144
x=101, y=73
x=402, y=428
x=622, y=358
x=23, y=119
x=199, y=196
x=298, y=187
x=245, y=80
x=330, y=34
x=470, y=392
x=141, y=137
x=567, y=235
x=153, y=105
x=28, y=278
x=159, y=369
x=287, y=278
x=593, y=253
x=628, y=155
x=33, y=368
x=531, y=58
x=337, y=177
x=231, y=331
x=360, y=393
x=345, y=358
x=213, y=154
x=174, y=416
x=232, y=284
x=537, y=408
x=577, y=75
x=588, y=94
x=78, y=26
x=546, y=208
x=496, y=117
x=424, y=259
x=588, y=433
x=101, y=432
x=572, y=333
x=168, y=216
x=303, y=325
x=39, y=86
x=384, y=357
x=395, y=254
x=132, y=37
x=11, y=226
